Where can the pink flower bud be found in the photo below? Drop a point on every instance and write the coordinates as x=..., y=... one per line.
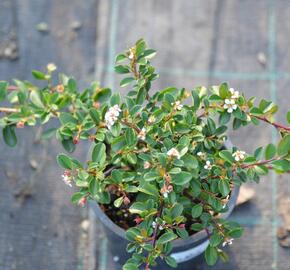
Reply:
x=126, y=200
x=75, y=140
x=82, y=202
x=138, y=220
x=20, y=124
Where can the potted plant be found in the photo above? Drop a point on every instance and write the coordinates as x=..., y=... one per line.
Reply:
x=160, y=167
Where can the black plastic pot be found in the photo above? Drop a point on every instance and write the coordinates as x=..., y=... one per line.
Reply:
x=184, y=251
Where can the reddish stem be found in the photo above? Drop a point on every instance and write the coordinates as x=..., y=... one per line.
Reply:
x=12, y=88
x=277, y=125
x=259, y=163
x=154, y=237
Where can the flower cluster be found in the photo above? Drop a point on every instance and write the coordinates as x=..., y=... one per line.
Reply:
x=112, y=115
x=142, y=134
x=177, y=105
x=230, y=104
x=160, y=226
x=173, y=152
x=67, y=178
x=239, y=155
x=208, y=165
x=228, y=242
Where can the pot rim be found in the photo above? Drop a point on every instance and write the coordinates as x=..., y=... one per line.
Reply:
x=197, y=237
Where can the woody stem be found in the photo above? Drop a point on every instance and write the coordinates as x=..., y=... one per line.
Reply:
x=8, y=110
x=277, y=125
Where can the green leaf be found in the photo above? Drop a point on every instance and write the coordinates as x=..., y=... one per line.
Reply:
x=99, y=153
x=171, y=261
x=118, y=202
x=93, y=186
x=166, y=237
x=120, y=57
x=211, y=125
x=284, y=146
x=270, y=151
x=224, y=118
x=258, y=153
x=126, y=81
x=121, y=69
x=130, y=266
x=215, y=239
x=196, y=210
x=176, y=210
x=72, y=85
x=211, y=255
x=140, y=47
x=115, y=99
x=39, y=75
x=149, y=189
x=236, y=232
x=76, y=197
x=103, y=95
x=9, y=136
x=64, y=161
x=132, y=233
x=66, y=118
x=227, y=156
x=141, y=96
x=196, y=227
x=182, y=233
x=95, y=115
x=150, y=53
x=3, y=90
x=68, y=145
x=196, y=99
x=224, y=187
x=36, y=99
x=281, y=165
x=137, y=208
x=288, y=113
x=181, y=178
x=130, y=136
x=223, y=90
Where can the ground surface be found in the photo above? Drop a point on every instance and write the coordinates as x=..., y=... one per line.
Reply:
x=244, y=42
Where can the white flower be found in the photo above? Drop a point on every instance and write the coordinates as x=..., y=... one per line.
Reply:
x=235, y=94
x=151, y=119
x=177, y=105
x=230, y=105
x=201, y=154
x=67, y=179
x=51, y=67
x=208, y=165
x=147, y=165
x=165, y=194
x=173, y=152
x=142, y=134
x=154, y=224
x=239, y=155
x=249, y=119
x=111, y=115
x=228, y=242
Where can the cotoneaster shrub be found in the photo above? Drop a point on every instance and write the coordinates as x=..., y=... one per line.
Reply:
x=157, y=157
